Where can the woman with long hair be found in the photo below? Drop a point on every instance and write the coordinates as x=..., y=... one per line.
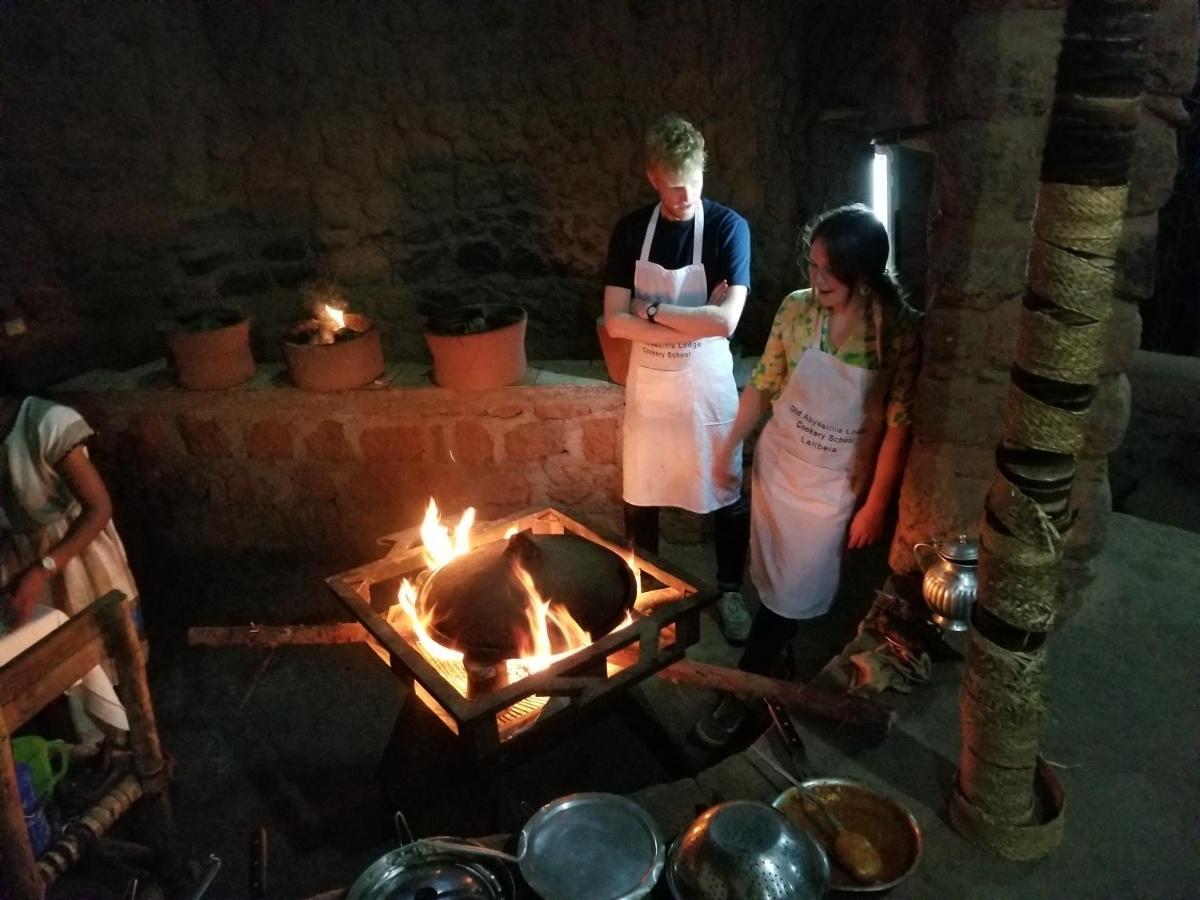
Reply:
x=837, y=376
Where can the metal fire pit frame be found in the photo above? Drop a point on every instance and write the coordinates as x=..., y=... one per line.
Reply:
x=660, y=635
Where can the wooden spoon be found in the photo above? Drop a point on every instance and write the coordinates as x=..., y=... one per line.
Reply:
x=853, y=850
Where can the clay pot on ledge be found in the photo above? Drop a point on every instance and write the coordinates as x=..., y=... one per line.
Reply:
x=209, y=349
x=352, y=359
x=478, y=347
x=617, y=352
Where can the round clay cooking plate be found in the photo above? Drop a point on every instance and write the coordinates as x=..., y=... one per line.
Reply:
x=479, y=605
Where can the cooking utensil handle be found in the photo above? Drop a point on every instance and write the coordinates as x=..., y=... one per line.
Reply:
x=791, y=779
x=404, y=834
x=787, y=730
x=466, y=847
x=804, y=792
x=214, y=865
x=918, y=549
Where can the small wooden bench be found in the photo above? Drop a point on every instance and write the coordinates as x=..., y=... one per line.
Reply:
x=29, y=682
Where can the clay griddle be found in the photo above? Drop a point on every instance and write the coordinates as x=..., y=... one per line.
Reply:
x=479, y=606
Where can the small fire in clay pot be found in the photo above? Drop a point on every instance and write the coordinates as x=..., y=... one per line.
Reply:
x=334, y=350
x=329, y=324
x=488, y=616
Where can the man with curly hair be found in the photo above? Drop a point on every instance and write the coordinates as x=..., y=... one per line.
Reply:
x=676, y=280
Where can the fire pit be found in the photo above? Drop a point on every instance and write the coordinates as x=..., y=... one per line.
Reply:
x=596, y=619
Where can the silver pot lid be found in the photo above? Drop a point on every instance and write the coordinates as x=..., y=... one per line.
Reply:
x=963, y=549
x=416, y=873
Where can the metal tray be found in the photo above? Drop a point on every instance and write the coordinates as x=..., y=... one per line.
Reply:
x=591, y=845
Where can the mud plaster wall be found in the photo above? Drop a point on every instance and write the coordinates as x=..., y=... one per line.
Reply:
x=158, y=157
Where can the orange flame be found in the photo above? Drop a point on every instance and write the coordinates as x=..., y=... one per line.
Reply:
x=420, y=625
x=551, y=633
x=336, y=316
x=537, y=651
x=439, y=547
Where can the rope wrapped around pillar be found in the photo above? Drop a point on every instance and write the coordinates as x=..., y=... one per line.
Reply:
x=1006, y=799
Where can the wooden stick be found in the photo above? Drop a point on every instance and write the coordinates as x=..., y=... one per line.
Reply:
x=18, y=868
x=257, y=677
x=860, y=713
x=277, y=635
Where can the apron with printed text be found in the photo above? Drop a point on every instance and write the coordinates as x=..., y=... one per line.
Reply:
x=813, y=458
x=680, y=400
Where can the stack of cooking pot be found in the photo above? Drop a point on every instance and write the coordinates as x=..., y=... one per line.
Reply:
x=556, y=856
x=595, y=846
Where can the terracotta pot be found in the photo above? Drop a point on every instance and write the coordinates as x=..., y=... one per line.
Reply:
x=209, y=349
x=616, y=353
x=483, y=359
x=353, y=360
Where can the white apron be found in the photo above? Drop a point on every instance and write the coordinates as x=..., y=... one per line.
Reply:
x=681, y=399
x=814, y=453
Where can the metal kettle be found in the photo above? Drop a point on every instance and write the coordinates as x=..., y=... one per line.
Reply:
x=951, y=579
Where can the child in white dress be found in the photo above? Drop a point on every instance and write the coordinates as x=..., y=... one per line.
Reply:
x=59, y=550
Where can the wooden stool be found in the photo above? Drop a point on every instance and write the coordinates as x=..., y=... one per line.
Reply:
x=35, y=678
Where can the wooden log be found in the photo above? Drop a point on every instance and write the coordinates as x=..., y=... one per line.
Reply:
x=864, y=715
x=18, y=869
x=873, y=720
x=277, y=635
x=270, y=636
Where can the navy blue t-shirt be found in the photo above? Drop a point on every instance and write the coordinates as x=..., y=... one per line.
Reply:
x=725, y=255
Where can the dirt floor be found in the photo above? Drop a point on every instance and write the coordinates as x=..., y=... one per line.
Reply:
x=291, y=741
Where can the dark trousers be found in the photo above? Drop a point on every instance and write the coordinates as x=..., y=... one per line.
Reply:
x=769, y=633
x=731, y=535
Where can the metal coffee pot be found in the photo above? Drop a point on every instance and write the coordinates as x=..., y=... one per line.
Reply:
x=951, y=580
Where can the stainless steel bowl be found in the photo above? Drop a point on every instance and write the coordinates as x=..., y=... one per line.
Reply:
x=742, y=850
x=415, y=870
x=884, y=821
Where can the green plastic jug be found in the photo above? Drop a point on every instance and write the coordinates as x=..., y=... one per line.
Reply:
x=47, y=760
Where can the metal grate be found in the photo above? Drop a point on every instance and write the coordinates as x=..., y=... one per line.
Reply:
x=665, y=623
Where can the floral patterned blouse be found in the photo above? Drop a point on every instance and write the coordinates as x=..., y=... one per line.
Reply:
x=799, y=317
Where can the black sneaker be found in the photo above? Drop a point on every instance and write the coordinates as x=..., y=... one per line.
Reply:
x=721, y=723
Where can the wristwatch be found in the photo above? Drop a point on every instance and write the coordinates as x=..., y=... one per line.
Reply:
x=49, y=564
x=651, y=311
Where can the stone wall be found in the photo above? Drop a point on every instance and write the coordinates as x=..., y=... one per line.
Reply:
x=994, y=107
x=269, y=467
x=1173, y=45
x=158, y=157
x=996, y=102
x=1154, y=473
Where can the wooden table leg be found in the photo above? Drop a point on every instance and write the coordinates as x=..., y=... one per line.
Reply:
x=19, y=878
x=123, y=645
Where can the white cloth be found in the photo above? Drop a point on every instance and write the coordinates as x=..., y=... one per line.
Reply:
x=37, y=508
x=680, y=399
x=99, y=698
x=809, y=465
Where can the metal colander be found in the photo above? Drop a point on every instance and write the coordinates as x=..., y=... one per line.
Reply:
x=742, y=850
